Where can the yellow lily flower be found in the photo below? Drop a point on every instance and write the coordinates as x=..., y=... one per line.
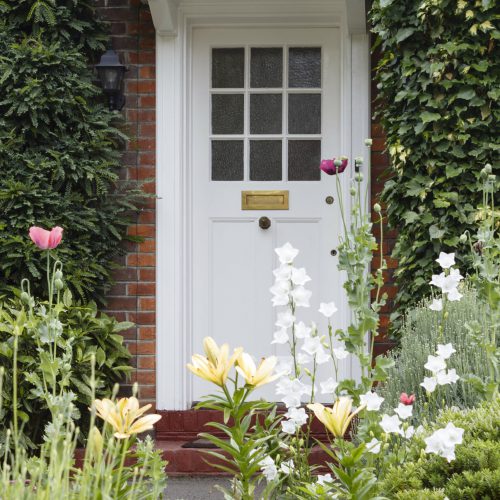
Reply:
x=338, y=418
x=215, y=366
x=124, y=416
x=256, y=375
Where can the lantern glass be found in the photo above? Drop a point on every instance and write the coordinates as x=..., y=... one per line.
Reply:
x=111, y=77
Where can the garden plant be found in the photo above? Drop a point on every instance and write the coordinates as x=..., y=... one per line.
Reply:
x=371, y=437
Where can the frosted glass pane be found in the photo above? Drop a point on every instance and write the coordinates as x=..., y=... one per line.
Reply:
x=227, y=113
x=228, y=68
x=304, y=114
x=265, y=160
x=304, y=67
x=227, y=160
x=266, y=68
x=304, y=158
x=266, y=113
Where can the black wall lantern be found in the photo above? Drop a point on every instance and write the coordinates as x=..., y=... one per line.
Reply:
x=111, y=72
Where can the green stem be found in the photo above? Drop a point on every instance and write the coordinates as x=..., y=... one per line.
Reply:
x=120, y=469
x=14, y=393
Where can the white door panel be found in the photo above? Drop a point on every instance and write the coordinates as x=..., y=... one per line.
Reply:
x=233, y=257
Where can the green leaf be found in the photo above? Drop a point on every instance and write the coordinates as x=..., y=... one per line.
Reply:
x=427, y=117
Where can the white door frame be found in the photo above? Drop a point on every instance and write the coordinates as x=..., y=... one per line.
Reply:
x=174, y=24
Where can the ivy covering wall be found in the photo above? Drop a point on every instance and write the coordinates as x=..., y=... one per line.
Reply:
x=438, y=81
x=59, y=147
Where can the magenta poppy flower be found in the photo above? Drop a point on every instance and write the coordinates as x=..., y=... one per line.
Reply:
x=330, y=168
x=407, y=400
x=46, y=240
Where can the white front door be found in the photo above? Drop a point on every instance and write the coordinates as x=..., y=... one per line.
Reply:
x=265, y=110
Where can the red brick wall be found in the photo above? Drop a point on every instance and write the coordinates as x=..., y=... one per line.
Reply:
x=133, y=296
x=379, y=165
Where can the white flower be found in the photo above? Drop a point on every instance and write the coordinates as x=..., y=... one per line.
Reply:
x=312, y=345
x=435, y=364
x=301, y=296
x=286, y=253
x=373, y=446
x=280, y=337
x=410, y=432
x=404, y=411
x=299, y=276
x=291, y=391
x=444, y=351
x=284, y=365
x=419, y=430
x=322, y=357
x=283, y=273
x=437, y=280
x=437, y=305
x=325, y=478
x=288, y=426
x=443, y=441
x=447, y=283
x=327, y=309
x=391, y=424
x=302, y=331
x=340, y=352
x=446, y=260
x=287, y=467
x=280, y=292
x=303, y=358
x=280, y=300
x=297, y=415
x=447, y=377
x=454, y=295
x=371, y=400
x=329, y=386
x=269, y=468
x=285, y=319
x=429, y=384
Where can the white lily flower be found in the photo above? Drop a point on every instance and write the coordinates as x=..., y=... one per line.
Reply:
x=329, y=386
x=299, y=276
x=280, y=337
x=373, y=446
x=286, y=253
x=404, y=411
x=444, y=351
x=371, y=400
x=391, y=424
x=435, y=364
x=446, y=260
x=437, y=305
x=429, y=384
x=327, y=309
x=285, y=319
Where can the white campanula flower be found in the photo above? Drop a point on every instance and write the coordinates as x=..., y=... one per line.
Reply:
x=303, y=358
x=391, y=424
x=404, y=411
x=283, y=273
x=297, y=415
x=371, y=400
x=437, y=305
x=280, y=300
x=287, y=467
x=435, y=364
x=284, y=365
x=324, y=479
x=291, y=391
x=373, y=446
x=302, y=331
x=429, y=384
x=327, y=309
x=322, y=357
x=280, y=336
x=286, y=253
x=443, y=441
x=444, y=351
x=454, y=295
x=299, y=276
x=280, y=291
x=340, y=352
x=312, y=345
x=446, y=260
x=329, y=386
x=288, y=426
x=269, y=468
x=301, y=296
x=285, y=319
x=409, y=432
x=447, y=377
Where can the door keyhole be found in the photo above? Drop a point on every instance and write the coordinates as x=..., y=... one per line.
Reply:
x=264, y=223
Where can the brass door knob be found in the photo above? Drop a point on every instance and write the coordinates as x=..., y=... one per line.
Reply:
x=264, y=223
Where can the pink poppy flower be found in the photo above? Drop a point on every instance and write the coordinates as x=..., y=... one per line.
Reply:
x=407, y=400
x=46, y=240
x=329, y=167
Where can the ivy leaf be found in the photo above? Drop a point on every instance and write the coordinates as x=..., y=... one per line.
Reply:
x=435, y=233
x=466, y=94
x=410, y=216
x=404, y=33
x=427, y=117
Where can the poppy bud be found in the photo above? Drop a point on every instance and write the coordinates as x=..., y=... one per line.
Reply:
x=377, y=208
x=463, y=238
x=25, y=298
x=368, y=142
x=58, y=275
x=58, y=284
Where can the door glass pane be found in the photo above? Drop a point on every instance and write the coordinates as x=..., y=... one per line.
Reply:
x=227, y=160
x=265, y=113
x=303, y=160
x=265, y=160
x=228, y=68
x=304, y=113
x=227, y=113
x=304, y=68
x=266, y=68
